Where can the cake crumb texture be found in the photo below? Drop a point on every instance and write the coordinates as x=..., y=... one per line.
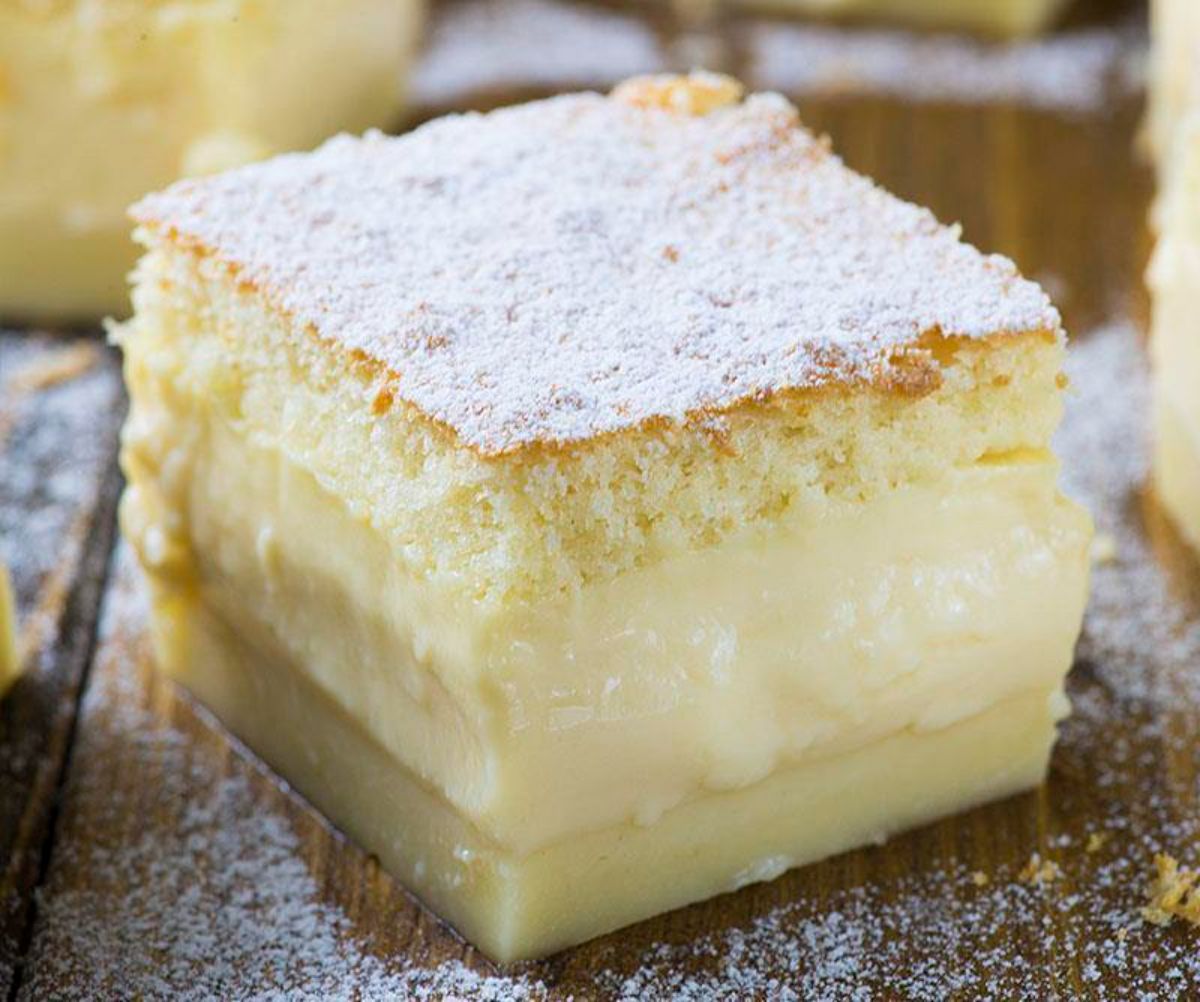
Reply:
x=697, y=94
x=550, y=521
x=1039, y=871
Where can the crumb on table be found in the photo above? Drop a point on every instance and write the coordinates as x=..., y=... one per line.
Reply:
x=1039, y=871
x=1172, y=893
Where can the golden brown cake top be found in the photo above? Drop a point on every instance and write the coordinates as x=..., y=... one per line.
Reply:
x=586, y=264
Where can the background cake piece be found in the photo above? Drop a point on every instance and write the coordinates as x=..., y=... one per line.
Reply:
x=998, y=17
x=1174, y=275
x=603, y=503
x=102, y=101
x=1174, y=62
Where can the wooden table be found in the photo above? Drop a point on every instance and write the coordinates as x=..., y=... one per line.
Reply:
x=147, y=855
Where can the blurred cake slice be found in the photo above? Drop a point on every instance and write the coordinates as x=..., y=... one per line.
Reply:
x=1174, y=69
x=603, y=503
x=102, y=102
x=993, y=17
x=1175, y=269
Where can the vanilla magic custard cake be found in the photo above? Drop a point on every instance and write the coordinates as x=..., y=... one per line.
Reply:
x=602, y=503
x=1174, y=276
x=102, y=101
x=997, y=17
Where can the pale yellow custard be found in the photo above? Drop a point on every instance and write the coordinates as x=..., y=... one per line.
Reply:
x=102, y=101
x=576, y=554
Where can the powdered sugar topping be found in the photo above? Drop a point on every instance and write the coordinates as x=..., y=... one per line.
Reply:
x=577, y=266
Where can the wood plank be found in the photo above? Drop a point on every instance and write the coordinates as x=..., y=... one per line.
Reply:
x=60, y=406
x=182, y=868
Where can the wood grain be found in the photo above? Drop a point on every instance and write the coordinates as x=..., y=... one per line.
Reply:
x=60, y=406
x=181, y=867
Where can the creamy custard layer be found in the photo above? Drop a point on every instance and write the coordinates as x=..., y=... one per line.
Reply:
x=705, y=672
x=519, y=905
x=103, y=102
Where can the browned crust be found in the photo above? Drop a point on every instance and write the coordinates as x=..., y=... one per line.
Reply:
x=912, y=371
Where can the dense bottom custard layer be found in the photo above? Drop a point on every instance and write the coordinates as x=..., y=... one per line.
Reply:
x=519, y=905
x=1001, y=17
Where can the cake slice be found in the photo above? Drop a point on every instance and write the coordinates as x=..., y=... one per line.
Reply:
x=993, y=17
x=1175, y=55
x=1174, y=277
x=102, y=101
x=602, y=503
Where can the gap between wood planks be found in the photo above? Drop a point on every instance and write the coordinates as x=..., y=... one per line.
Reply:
x=71, y=649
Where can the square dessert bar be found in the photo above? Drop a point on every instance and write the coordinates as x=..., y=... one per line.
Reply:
x=102, y=101
x=602, y=503
x=996, y=17
x=1174, y=276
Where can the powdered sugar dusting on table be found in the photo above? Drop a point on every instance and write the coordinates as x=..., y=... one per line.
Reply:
x=211, y=896
x=1139, y=659
x=577, y=266
x=479, y=47
x=204, y=893
x=41, y=488
x=1072, y=72
x=485, y=50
